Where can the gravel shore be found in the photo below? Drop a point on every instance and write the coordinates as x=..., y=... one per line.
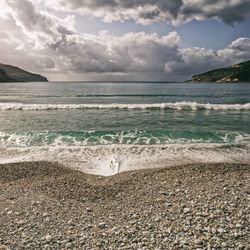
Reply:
x=47, y=206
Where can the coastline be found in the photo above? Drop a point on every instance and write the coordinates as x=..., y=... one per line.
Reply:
x=45, y=205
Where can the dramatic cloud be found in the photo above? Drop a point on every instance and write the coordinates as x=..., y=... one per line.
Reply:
x=229, y=11
x=40, y=41
x=40, y=24
x=197, y=60
x=150, y=11
x=133, y=52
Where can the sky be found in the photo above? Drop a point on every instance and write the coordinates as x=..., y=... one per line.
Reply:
x=123, y=40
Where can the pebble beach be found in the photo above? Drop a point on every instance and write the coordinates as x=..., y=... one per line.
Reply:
x=47, y=206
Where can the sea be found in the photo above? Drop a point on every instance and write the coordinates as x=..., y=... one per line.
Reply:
x=105, y=128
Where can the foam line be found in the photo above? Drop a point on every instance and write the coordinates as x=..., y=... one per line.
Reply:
x=113, y=159
x=175, y=106
x=88, y=138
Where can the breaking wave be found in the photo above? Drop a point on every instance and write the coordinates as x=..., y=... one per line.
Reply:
x=175, y=106
x=136, y=137
x=109, y=153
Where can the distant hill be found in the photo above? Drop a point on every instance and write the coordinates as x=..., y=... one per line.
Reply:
x=236, y=73
x=10, y=73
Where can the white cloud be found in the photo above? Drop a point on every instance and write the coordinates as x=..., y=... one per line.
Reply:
x=132, y=52
x=238, y=50
x=40, y=41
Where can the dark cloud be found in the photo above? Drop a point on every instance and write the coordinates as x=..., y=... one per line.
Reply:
x=50, y=44
x=229, y=11
x=148, y=11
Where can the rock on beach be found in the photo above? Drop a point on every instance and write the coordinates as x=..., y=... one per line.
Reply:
x=47, y=206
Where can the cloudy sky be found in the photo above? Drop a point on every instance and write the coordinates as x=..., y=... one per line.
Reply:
x=142, y=40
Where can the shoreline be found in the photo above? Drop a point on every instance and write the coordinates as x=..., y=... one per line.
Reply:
x=108, y=160
x=45, y=205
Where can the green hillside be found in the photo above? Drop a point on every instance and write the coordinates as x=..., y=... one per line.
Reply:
x=236, y=73
x=10, y=73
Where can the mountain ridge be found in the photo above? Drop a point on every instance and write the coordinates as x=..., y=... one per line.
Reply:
x=9, y=73
x=235, y=73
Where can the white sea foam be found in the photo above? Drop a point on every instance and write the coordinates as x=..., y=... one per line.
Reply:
x=112, y=159
x=176, y=106
x=90, y=138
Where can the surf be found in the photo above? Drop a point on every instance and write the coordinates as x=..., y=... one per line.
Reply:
x=174, y=105
x=109, y=160
x=130, y=137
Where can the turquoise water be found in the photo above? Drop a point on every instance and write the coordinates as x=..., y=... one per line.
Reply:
x=90, y=121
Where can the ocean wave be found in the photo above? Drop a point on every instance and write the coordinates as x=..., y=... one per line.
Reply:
x=136, y=137
x=23, y=95
x=175, y=106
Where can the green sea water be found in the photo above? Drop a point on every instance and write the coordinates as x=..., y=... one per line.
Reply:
x=102, y=127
